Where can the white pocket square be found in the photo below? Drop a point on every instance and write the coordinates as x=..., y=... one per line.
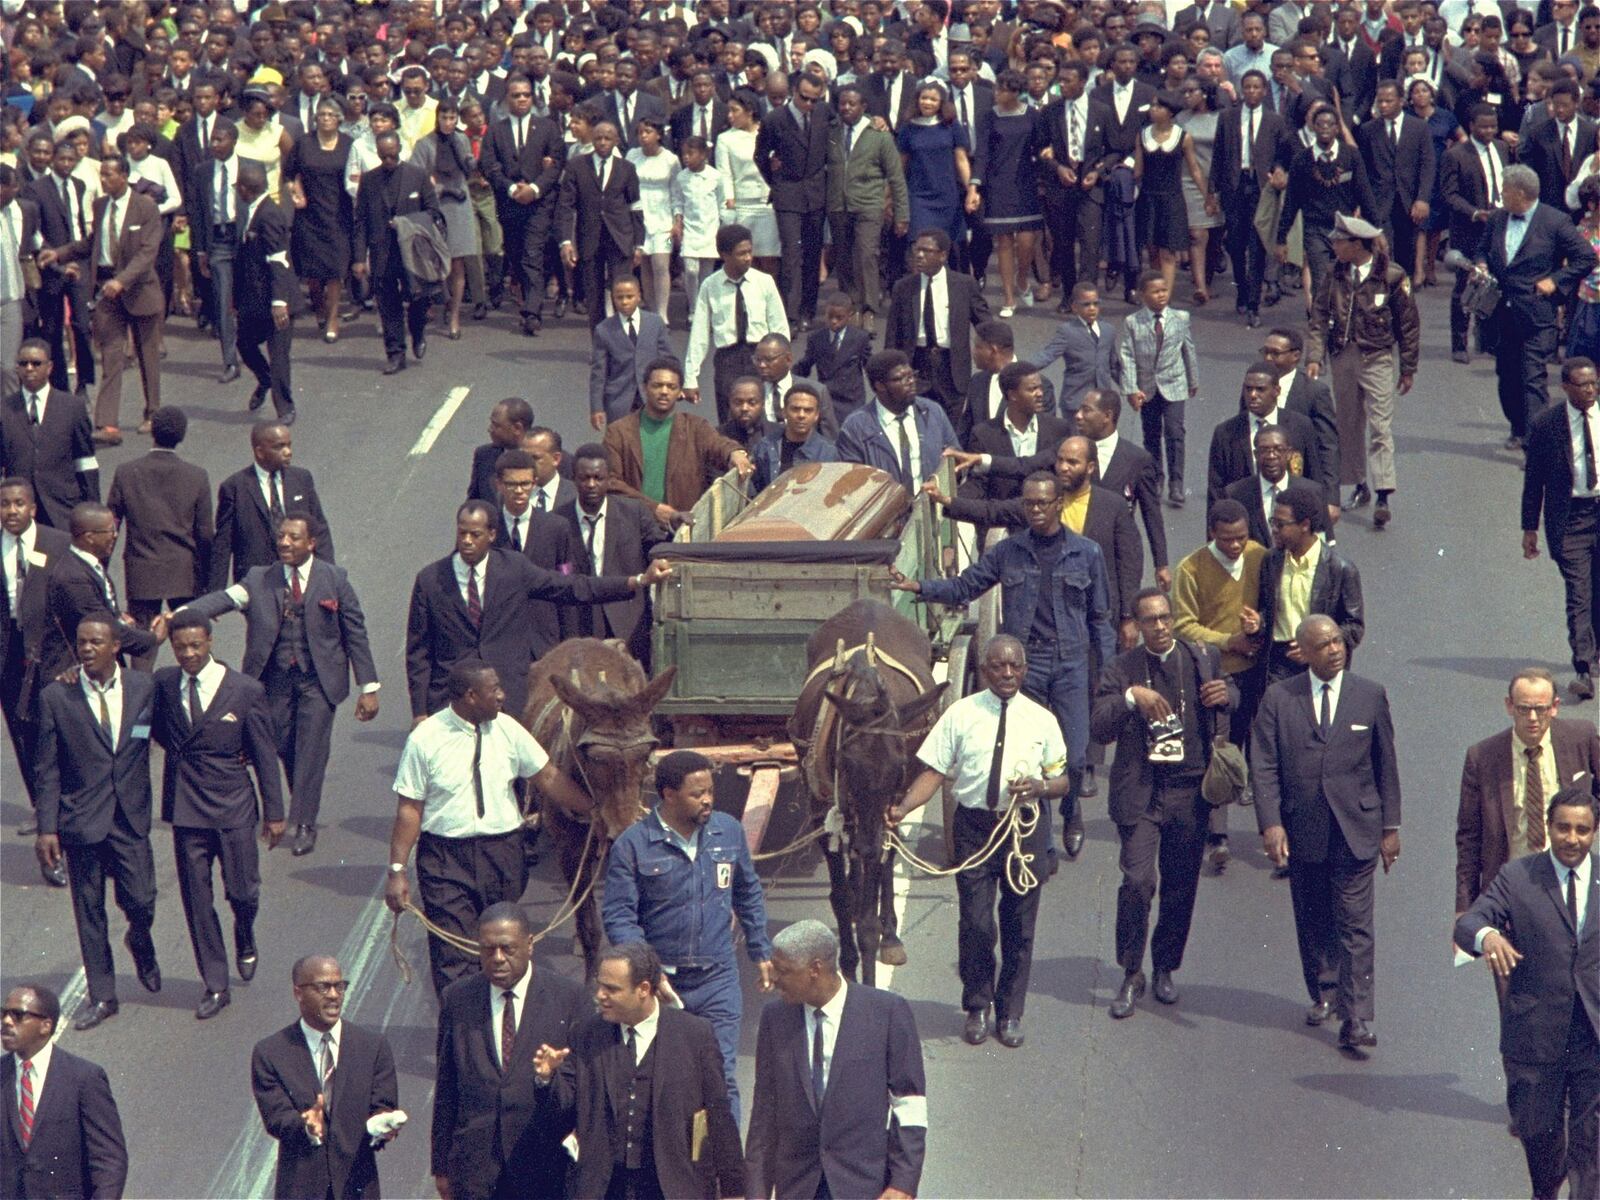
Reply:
x=229, y=717
x=133, y=229
x=412, y=196
x=1358, y=728
x=1577, y=775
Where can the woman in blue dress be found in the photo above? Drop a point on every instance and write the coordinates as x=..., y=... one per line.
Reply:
x=1446, y=131
x=938, y=165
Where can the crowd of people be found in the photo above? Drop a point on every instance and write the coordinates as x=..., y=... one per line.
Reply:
x=823, y=199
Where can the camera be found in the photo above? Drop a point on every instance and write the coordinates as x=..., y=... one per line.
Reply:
x=1166, y=739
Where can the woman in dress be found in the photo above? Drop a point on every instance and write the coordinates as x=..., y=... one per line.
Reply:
x=262, y=139
x=749, y=200
x=1199, y=121
x=319, y=242
x=1160, y=157
x=446, y=155
x=486, y=267
x=934, y=149
x=655, y=166
x=1012, y=209
x=1446, y=131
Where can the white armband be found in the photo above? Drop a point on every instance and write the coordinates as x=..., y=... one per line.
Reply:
x=909, y=1111
x=239, y=596
x=86, y=464
x=281, y=258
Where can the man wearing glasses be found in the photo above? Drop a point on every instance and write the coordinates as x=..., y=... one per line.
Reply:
x=326, y=1090
x=74, y=1146
x=46, y=438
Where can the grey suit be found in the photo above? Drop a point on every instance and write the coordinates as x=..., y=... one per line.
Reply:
x=617, y=363
x=1087, y=361
x=1167, y=370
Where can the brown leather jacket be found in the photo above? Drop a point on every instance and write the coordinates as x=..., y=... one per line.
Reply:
x=1379, y=313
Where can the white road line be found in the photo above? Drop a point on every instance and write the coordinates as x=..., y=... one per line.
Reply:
x=435, y=426
x=77, y=990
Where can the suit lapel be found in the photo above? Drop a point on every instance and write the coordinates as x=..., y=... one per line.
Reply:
x=1552, y=888
x=1502, y=764
x=1311, y=712
x=802, y=1057
x=8, y=1091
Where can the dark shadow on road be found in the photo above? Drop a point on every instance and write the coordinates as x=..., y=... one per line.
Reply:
x=1483, y=450
x=376, y=829
x=356, y=882
x=1429, y=1095
x=1481, y=668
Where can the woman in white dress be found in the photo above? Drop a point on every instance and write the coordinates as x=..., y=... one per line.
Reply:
x=655, y=165
x=749, y=200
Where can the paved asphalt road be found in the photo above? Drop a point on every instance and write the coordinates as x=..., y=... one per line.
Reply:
x=1228, y=1094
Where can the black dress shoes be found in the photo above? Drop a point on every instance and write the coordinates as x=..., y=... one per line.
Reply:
x=1087, y=788
x=97, y=1012
x=148, y=970
x=531, y=326
x=396, y=364
x=55, y=876
x=419, y=347
x=1319, y=1012
x=229, y=374
x=286, y=417
x=1072, y=837
x=1010, y=1033
x=1354, y=1035
x=305, y=840
x=246, y=962
x=1361, y=497
x=211, y=1005
x=561, y=308
x=1128, y=995
x=1163, y=989
x=1217, y=854
x=1582, y=687
x=258, y=398
x=976, y=1031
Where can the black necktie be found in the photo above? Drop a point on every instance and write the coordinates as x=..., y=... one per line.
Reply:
x=1588, y=453
x=508, y=1022
x=992, y=796
x=196, y=712
x=588, y=542
x=1572, y=904
x=600, y=172
x=1564, y=35
x=741, y=314
x=1161, y=337
x=961, y=98
x=633, y=333
x=105, y=711
x=816, y=1048
x=929, y=329
x=633, y=1045
x=477, y=763
x=33, y=408
x=905, y=450
x=277, y=498
x=1326, y=720
x=517, y=128
x=516, y=532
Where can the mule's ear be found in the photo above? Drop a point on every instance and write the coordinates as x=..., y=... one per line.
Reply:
x=835, y=698
x=576, y=698
x=644, y=703
x=913, y=711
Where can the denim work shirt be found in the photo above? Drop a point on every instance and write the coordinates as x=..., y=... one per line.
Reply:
x=684, y=908
x=1082, y=611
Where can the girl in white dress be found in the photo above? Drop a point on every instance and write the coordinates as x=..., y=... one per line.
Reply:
x=656, y=166
x=749, y=200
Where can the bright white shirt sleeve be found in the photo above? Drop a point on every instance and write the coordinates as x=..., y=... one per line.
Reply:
x=412, y=777
x=938, y=750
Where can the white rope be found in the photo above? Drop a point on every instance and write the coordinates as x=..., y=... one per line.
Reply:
x=1016, y=825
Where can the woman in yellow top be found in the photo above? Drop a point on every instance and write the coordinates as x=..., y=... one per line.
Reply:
x=261, y=138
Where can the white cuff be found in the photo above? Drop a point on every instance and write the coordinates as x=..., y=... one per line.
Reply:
x=985, y=461
x=370, y=689
x=91, y=463
x=1477, y=942
x=281, y=258
x=1127, y=697
x=239, y=596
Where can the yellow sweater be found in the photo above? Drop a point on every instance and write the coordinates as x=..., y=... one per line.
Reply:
x=1206, y=600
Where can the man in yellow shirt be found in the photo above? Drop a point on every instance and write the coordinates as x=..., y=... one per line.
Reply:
x=1303, y=576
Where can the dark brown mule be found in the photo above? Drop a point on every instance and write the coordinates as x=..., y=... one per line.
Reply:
x=868, y=700
x=589, y=706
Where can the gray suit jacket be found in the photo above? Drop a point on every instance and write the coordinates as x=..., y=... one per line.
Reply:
x=1175, y=372
x=1222, y=20
x=1086, y=365
x=616, y=365
x=335, y=627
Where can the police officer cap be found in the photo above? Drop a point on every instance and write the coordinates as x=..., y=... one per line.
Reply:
x=1345, y=226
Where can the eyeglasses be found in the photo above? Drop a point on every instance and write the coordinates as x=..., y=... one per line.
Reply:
x=32, y=362
x=1532, y=710
x=327, y=987
x=1156, y=619
x=17, y=1014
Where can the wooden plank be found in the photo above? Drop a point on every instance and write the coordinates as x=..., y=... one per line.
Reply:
x=758, y=807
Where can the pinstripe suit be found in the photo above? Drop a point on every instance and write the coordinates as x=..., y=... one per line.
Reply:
x=1167, y=372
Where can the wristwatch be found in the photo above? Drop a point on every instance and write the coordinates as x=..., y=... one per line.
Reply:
x=397, y=868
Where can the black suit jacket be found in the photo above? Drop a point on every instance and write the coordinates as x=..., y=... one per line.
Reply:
x=55, y=225
x=284, y=1082
x=840, y=370
x=1121, y=135
x=645, y=104
x=56, y=456
x=205, y=777
x=1542, y=151
x=1111, y=720
x=79, y=781
x=1273, y=147
x=1465, y=191
x=244, y=526
x=549, y=543
x=1525, y=902
x=486, y=1121
x=1548, y=473
x=1232, y=458
x=190, y=151
x=199, y=201
x=976, y=413
x=794, y=166
x=77, y=1147
x=685, y=122
x=503, y=166
x=1552, y=248
x=29, y=613
x=1335, y=592
x=1095, y=142
x=1132, y=473
x=379, y=199
x=438, y=633
x=869, y=1129
x=1248, y=493
x=1399, y=176
x=584, y=213
x=480, y=484
x=165, y=506
x=1355, y=76
x=967, y=308
x=1313, y=398
x=1304, y=781
x=73, y=593
x=631, y=532
x=876, y=90
x=261, y=271
x=990, y=437
x=686, y=1079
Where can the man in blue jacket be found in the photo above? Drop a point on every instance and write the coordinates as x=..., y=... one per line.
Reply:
x=1057, y=622
x=797, y=443
x=675, y=880
x=900, y=432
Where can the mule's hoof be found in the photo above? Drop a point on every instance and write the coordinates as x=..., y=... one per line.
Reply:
x=892, y=954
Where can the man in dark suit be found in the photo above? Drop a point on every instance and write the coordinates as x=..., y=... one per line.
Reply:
x=1080, y=155
x=620, y=346
x=164, y=504
x=211, y=202
x=214, y=723
x=1537, y=257
x=1335, y=586
x=1538, y=925
x=494, y=1130
x=64, y=214
x=509, y=421
x=537, y=533
x=1240, y=173
x=1232, y=455
x=1128, y=98
x=1397, y=150
x=69, y=1143
x=1327, y=796
x=973, y=99
x=994, y=348
x=1561, y=480
x=891, y=89
x=93, y=778
x=1269, y=480
x=816, y=1131
x=1154, y=793
x=1086, y=350
x=836, y=355
x=930, y=312
x=46, y=438
x=599, y=221
x=304, y=637
x=392, y=189
x=521, y=158
x=701, y=112
x=642, y=1087
x=626, y=105
x=317, y=1084
x=1024, y=424
x=1556, y=148
x=1508, y=780
x=1284, y=348
x=792, y=150
x=1220, y=19
x=616, y=534
x=774, y=361
x=266, y=293
x=192, y=141
x=864, y=438
x=503, y=586
x=79, y=584
x=251, y=501
x=1470, y=178
x=1350, y=64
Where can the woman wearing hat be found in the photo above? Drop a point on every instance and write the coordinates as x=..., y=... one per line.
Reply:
x=261, y=138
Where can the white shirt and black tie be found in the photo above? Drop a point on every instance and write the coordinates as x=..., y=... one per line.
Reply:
x=517, y=997
x=939, y=284
x=15, y=551
x=105, y=702
x=1583, y=428
x=593, y=528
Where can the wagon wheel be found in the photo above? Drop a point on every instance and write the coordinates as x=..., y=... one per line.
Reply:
x=960, y=678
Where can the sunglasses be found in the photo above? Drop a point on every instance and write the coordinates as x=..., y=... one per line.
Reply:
x=17, y=1014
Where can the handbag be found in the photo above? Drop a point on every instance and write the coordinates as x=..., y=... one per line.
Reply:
x=1227, y=777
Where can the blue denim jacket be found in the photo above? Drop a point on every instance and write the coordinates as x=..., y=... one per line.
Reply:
x=684, y=909
x=1081, y=608
x=768, y=456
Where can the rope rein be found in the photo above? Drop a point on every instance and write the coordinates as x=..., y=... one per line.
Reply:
x=1016, y=826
